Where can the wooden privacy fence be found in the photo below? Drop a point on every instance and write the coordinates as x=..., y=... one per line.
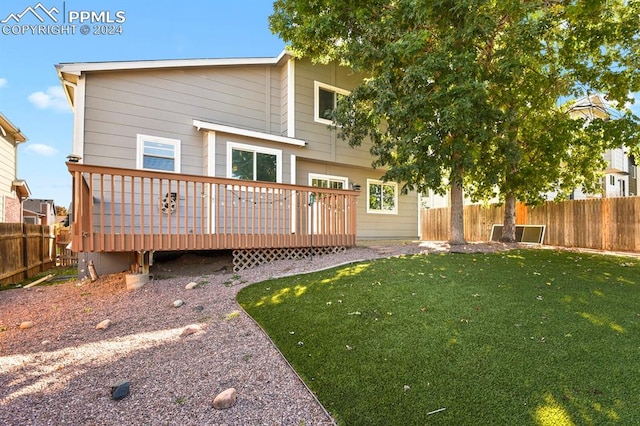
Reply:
x=602, y=223
x=25, y=250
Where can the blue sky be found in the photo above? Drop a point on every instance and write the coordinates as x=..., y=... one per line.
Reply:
x=31, y=95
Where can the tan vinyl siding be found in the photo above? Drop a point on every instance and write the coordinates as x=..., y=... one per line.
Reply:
x=403, y=225
x=163, y=103
x=284, y=100
x=7, y=167
x=323, y=142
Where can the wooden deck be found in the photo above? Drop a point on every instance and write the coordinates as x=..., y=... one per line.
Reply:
x=124, y=210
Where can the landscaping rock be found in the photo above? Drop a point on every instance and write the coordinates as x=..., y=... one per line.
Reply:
x=190, y=329
x=120, y=389
x=26, y=324
x=178, y=303
x=103, y=325
x=225, y=399
x=191, y=285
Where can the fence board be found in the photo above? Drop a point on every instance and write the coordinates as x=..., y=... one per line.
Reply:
x=25, y=250
x=603, y=224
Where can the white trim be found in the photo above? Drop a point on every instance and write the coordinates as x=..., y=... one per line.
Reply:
x=211, y=153
x=294, y=170
x=141, y=139
x=291, y=98
x=211, y=171
x=328, y=177
x=254, y=148
x=248, y=133
x=395, y=202
x=79, y=67
x=316, y=101
x=78, y=119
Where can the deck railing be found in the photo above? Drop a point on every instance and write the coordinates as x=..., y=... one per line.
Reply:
x=122, y=210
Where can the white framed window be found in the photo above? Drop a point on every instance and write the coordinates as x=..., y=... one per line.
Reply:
x=156, y=153
x=382, y=197
x=249, y=162
x=327, y=181
x=325, y=99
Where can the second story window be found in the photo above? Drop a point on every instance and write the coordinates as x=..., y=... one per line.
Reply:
x=156, y=153
x=325, y=100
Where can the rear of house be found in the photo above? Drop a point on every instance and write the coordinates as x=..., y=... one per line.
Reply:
x=220, y=153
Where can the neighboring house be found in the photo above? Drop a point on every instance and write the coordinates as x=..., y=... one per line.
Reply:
x=39, y=212
x=615, y=182
x=12, y=190
x=221, y=153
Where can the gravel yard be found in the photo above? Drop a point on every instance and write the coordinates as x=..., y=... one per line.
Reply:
x=61, y=369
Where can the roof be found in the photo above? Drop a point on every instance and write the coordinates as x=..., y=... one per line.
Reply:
x=592, y=106
x=70, y=72
x=7, y=128
x=21, y=188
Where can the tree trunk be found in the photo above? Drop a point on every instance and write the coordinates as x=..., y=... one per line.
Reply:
x=457, y=215
x=509, y=225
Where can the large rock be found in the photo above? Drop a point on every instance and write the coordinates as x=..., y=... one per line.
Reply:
x=26, y=324
x=225, y=399
x=120, y=389
x=103, y=325
x=191, y=329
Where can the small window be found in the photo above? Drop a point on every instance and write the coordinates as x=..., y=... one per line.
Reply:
x=612, y=180
x=325, y=181
x=254, y=163
x=156, y=153
x=325, y=101
x=382, y=197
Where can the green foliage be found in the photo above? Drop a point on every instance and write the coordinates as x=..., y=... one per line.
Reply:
x=470, y=91
x=521, y=337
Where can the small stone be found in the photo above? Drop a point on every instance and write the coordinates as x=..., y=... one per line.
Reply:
x=178, y=303
x=46, y=342
x=191, y=285
x=103, y=325
x=26, y=324
x=120, y=389
x=225, y=399
x=190, y=329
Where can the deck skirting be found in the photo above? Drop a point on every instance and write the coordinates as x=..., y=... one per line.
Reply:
x=249, y=258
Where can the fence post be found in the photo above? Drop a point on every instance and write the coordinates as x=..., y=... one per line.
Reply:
x=606, y=223
x=25, y=251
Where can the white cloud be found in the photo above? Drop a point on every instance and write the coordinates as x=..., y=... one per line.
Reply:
x=41, y=149
x=3, y=82
x=53, y=98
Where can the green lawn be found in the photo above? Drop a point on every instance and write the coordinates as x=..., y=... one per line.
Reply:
x=527, y=337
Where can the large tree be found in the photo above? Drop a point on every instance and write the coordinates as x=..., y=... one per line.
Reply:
x=540, y=54
x=465, y=93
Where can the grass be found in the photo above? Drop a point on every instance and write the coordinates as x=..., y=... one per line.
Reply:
x=61, y=274
x=528, y=337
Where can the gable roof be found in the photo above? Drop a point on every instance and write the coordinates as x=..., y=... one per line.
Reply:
x=7, y=128
x=69, y=72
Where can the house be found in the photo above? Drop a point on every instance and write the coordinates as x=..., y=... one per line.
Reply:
x=13, y=191
x=620, y=166
x=220, y=154
x=39, y=212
